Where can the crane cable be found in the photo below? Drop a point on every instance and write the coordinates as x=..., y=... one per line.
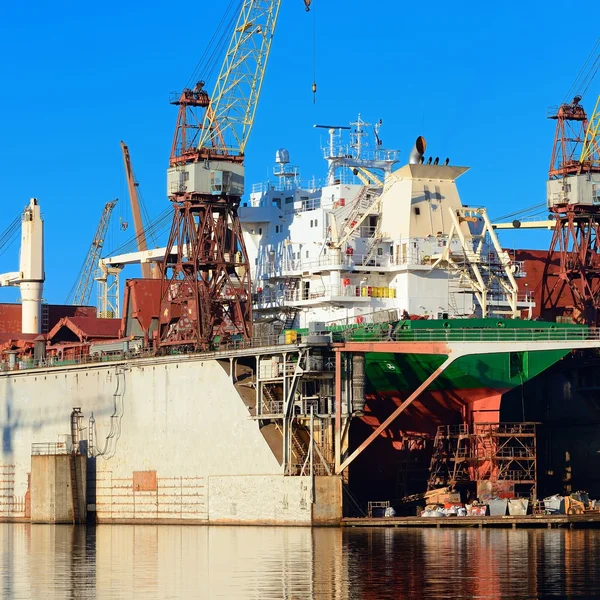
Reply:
x=314, y=49
x=155, y=228
x=586, y=74
x=206, y=65
x=9, y=235
x=522, y=212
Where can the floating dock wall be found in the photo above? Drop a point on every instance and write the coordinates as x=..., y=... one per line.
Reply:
x=173, y=443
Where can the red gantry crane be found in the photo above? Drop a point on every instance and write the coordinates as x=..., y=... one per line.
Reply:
x=571, y=278
x=206, y=289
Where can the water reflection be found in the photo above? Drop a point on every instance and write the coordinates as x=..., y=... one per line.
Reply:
x=118, y=562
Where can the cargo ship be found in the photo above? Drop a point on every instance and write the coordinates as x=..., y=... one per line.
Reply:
x=284, y=359
x=365, y=308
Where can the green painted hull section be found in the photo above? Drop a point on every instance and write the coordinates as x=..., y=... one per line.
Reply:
x=392, y=373
x=405, y=372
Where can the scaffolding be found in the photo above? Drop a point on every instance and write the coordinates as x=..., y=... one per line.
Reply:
x=503, y=454
x=295, y=392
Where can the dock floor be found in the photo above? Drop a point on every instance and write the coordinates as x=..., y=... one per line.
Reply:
x=588, y=520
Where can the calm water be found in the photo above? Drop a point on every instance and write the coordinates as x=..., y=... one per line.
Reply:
x=122, y=562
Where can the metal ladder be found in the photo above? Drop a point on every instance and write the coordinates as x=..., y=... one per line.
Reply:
x=45, y=318
x=362, y=203
x=74, y=487
x=271, y=399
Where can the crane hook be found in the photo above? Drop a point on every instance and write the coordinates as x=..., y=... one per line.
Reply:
x=307, y=4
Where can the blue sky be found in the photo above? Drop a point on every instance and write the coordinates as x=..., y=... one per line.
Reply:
x=475, y=78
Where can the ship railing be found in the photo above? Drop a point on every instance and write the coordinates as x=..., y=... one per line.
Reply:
x=337, y=291
x=51, y=448
x=380, y=332
x=370, y=333
x=497, y=297
x=348, y=261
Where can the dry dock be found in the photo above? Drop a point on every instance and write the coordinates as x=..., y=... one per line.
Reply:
x=589, y=520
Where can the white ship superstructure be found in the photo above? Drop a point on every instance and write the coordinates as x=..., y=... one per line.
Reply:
x=372, y=243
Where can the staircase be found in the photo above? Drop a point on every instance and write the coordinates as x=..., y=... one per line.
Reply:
x=290, y=288
x=372, y=246
x=290, y=318
x=272, y=404
x=363, y=202
x=299, y=450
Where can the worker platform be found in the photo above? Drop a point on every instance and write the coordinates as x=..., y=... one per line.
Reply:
x=589, y=520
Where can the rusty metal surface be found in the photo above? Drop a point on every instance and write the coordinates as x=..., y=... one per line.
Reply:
x=177, y=498
x=10, y=316
x=396, y=347
x=145, y=481
x=141, y=306
x=11, y=506
x=206, y=290
x=574, y=281
x=84, y=329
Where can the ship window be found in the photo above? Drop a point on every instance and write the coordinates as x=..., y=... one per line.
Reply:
x=307, y=254
x=392, y=250
x=289, y=199
x=186, y=175
x=316, y=222
x=417, y=210
x=260, y=231
x=379, y=251
x=311, y=222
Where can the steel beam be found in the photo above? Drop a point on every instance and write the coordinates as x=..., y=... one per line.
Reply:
x=397, y=412
x=338, y=411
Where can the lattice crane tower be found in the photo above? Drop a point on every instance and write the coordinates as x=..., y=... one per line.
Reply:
x=572, y=272
x=206, y=289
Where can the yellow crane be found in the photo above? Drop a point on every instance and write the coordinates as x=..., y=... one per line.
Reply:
x=590, y=150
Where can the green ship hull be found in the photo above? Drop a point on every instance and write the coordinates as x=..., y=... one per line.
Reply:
x=471, y=388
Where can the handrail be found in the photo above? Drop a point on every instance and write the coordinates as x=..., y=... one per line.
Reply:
x=370, y=333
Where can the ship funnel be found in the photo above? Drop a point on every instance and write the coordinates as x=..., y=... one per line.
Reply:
x=417, y=152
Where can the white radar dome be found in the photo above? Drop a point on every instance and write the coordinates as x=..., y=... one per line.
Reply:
x=282, y=156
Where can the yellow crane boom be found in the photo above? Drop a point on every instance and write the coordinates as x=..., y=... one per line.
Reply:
x=229, y=119
x=590, y=151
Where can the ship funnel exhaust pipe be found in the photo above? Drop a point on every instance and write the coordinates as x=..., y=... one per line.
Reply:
x=417, y=152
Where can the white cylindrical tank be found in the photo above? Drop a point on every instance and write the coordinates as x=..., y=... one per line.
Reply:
x=31, y=266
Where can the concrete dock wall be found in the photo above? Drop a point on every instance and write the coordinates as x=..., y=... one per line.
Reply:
x=53, y=499
x=172, y=437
